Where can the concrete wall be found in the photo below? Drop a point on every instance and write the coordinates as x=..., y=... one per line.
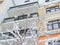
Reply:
x=24, y=23
x=21, y=2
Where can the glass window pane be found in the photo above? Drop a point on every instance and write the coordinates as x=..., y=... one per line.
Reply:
x=48, y=10
x=55, y=26
x=59, y=25
x=49, y=27
x=55, y=21
x=46, y=0
x=52, y=9
x=49, y=23
x=58, y=20
x=21, y=32
x=57, y=8
x=8, y=19
x=50, y=43
x=58, y=43
x=33, y=15
x=22, y=17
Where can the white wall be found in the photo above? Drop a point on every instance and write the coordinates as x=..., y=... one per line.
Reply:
x=41, y=1
x=20, y=2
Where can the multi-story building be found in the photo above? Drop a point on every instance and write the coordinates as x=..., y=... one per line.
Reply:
x=49, y=23
x=20, y=23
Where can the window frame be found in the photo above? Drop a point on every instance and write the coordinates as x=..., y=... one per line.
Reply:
x=32, y=15
x=51, y=23
x=49, y=10
x=46, y=0
x=7, y=19
x=53, y=42
x=21, y=17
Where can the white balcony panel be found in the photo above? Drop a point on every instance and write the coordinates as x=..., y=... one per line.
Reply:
x=21, y=2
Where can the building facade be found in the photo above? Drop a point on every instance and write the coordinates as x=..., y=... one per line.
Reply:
x=33, y=22
x=49, y=17
x=20, y=25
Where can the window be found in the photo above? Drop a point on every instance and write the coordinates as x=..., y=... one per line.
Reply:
x=53, y=25
x=33, y=15
x=48, y=0
x=50, y=43
x=23, y=32
x=27, y=0
x=21, y=17
x=54, y=43
x=52, y=9
x=57, y=8
x=48, y=10
x=9, y=19
x=14, y=19
x=9, y=34
x=59, y=23
x=49, y=26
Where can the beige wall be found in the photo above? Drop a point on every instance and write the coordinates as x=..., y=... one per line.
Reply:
x=44, y=18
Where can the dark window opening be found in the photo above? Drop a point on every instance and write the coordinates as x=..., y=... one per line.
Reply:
x=54, y=43
x=23, y=32
x=8, y=19
x=33, y=15
x=46, y=0
x=52, y=9
x=48, y=10
x=21, y=17
x=27, y=0
x=9, y=34
x=58, y=41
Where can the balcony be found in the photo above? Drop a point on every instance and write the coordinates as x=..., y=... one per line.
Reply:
x=22, y=22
